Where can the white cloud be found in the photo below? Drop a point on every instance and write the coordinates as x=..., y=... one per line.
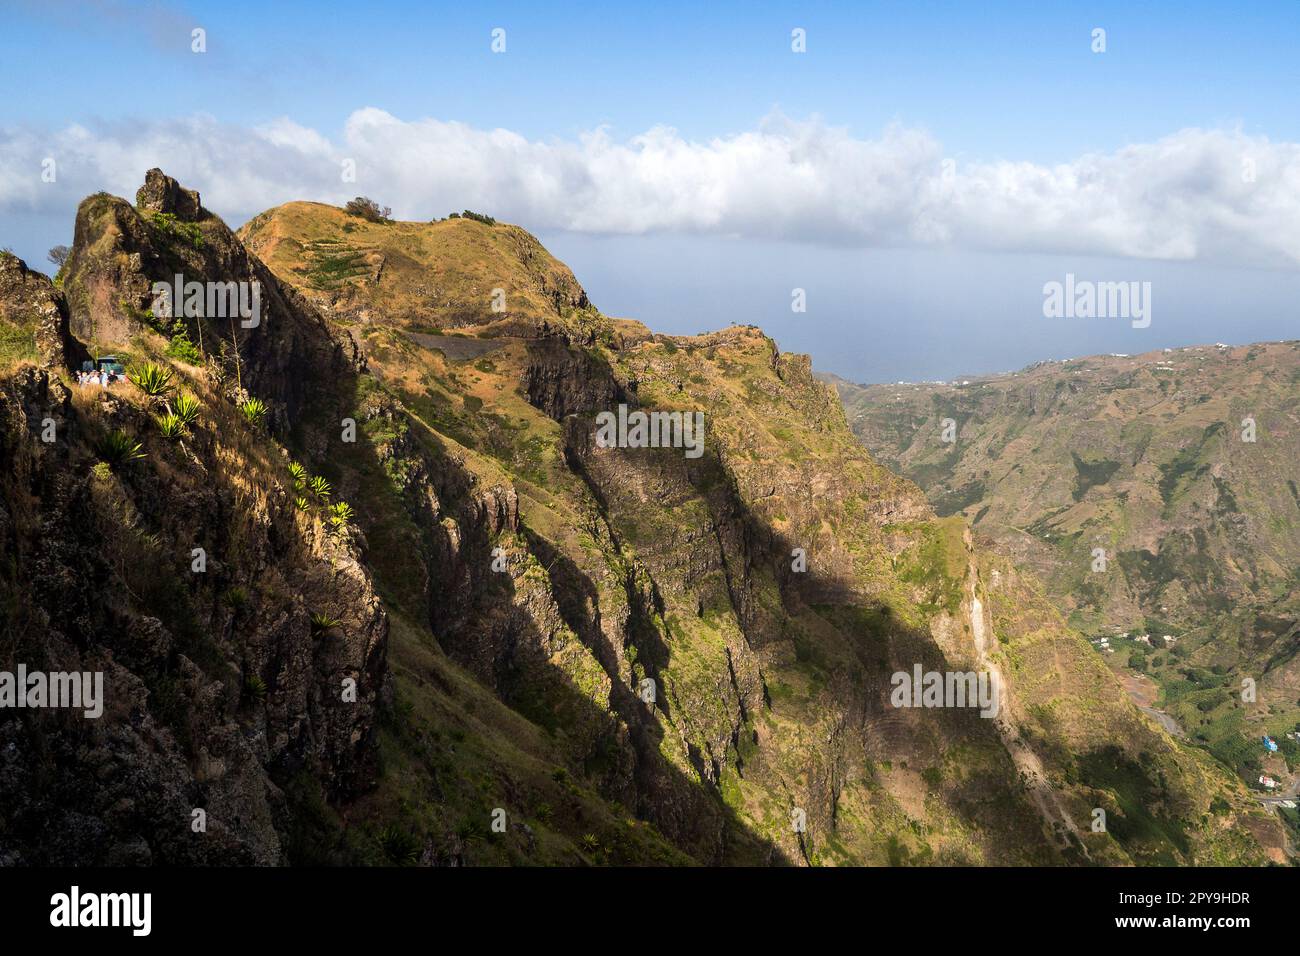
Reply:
x=1190, y=195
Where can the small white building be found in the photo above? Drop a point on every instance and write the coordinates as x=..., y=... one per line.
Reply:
x=1267, y=782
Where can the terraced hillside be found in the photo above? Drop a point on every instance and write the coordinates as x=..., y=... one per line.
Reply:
x=586, y=654
x=1178, y=468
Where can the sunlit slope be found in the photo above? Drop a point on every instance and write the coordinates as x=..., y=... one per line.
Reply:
x=422, y=275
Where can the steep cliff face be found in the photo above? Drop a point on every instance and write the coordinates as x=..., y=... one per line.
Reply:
x=178, y=567
x=34, y=317
x=217, y=687
x=600, y=652
x=771, y=684
x=888, y=586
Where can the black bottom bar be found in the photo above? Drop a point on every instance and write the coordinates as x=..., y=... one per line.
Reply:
x=974, y=906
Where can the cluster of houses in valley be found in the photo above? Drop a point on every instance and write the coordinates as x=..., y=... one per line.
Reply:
x=1163, y=641
x=1103, y=643
x=1267, y=781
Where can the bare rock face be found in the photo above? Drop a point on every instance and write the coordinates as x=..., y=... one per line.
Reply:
x=561, y=381
x=29, y=300
x=161, y=193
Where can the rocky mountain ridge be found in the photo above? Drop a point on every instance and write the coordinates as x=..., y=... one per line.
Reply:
x=563, y=653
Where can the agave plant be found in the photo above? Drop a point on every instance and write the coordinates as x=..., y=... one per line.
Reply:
x=256, y=687
x=153, y=380
x=117, y=448
x=170, y=426
x=399, y=846
x=254, y=410
x=471, y=830
x=320, y=623
x=186, y=408
x=301, y=503
x=299, y=475
x=340, y=514
x=320, y=487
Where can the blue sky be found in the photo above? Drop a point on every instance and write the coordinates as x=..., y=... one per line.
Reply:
x=1012, y=80
x=1011, y=93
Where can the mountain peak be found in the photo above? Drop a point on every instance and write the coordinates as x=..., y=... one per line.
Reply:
x=162, y=194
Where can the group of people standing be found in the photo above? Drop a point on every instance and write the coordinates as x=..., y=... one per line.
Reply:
x=102, y=377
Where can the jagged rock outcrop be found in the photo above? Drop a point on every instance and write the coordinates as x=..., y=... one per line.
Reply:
x=161, y=193
x=241, y=641
x=282, y=354
x=29, y=301
x=100, y=580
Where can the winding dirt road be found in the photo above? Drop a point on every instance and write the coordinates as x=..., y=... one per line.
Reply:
x=1144, y=692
